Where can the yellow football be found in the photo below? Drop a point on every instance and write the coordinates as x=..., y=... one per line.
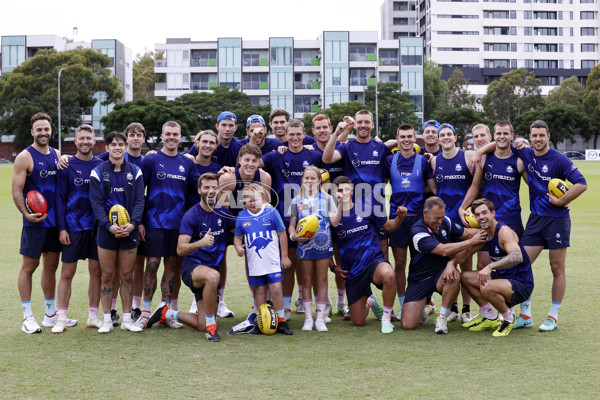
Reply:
x=267, y=319
x=470, y=218
x=417, y=148
x=558, y=187
x=324, y=175
x=395, y=150
x=308, y=226
x=118, y=215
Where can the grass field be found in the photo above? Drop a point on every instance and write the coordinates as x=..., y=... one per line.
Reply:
x=346, y=362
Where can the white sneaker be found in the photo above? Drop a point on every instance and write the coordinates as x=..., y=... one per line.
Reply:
x=430, y=308
x=30, y=325
x=106, y=327
x=308, y=325
x=194, y=307
x=143, y=319
x=287, y=315
x=299, y=306
x=171, y=323
x=441, y=324
x=60, y=326
x=327, y=319
x=466, y=317
x=424, y=316
x=94, y=322
x=223, y=311
x=320, y=325
x=453, y=316
x=129, y=326
x=50, y=321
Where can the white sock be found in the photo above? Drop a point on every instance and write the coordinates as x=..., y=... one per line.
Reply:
x=107, y=318
x=307, y=309
x=320, y=309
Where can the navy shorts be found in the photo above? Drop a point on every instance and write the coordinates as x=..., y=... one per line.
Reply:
x=186, y=277
x=108, y=241
x=83, y=246
x=37, y=240
x=360, y=286
x=263, y=280
x=518, y=228
x=550, y=232
x=521, y=292
x=161, y=242
x=423, y=289
x=291, y=244
x=401, y=237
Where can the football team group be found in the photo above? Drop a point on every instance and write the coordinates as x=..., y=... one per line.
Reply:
x=254, y=194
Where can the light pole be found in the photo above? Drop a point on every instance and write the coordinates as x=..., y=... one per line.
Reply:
x=374, y=76
x=59, y=125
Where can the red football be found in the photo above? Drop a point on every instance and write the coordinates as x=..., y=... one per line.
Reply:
x=36, y=203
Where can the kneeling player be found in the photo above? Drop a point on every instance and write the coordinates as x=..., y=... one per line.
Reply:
x=202, y=241
x=505, y=282
x=361, y=254
x=261, y=228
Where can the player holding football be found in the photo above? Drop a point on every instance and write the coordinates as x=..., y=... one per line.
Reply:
x=35, y=169
x=502, y=283
x=75, y=221
x=549, y=224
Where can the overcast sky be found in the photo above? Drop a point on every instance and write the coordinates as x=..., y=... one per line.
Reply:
x=139, y=25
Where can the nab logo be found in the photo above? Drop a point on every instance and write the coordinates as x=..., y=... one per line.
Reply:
x=161, y=175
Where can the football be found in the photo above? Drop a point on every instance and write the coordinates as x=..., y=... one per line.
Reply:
x=308, y=226
x=470, y=218
x=324, y=175
x=36, y=203
x=267, y=319
x=118, y=215
x=558, y=187
x=415, y=146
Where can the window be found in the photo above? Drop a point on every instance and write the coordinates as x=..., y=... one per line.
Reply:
x=281, y=56
x=304, y=104
x=527, y=30
x=496, y=30
x=545, y=31
x=588, y=31
x=513, y=30
x=13, y=55
x=400, y=21
x=495, y=46
x=496, y=14
x=528, y=63
x=255, y=81
x=527, y=47
x=588, y=47
x=306, y=58
x=306, y=80
x=411, y=55
x=587, y=64
x=178, y=81
x=388, y=77
x=544, y=15
x=527, y=14
x=388, y=57
x=459, y=16
x=513, y=63
x=513, y=14
x=336, y=50
x=412, y=80
x=587, y=15
x=230, y=79
x=255, y=58
x=458, y=33
x=362, y=53
x=229, y=56
x=203, y=81
x=333, y=76
x=513, y=47
x=496, y=63
x=546, y=64
x=458, y=49
x=204, y=58
x=359, y=76
x=546, y=47
x=281, y=80
x=549, y=80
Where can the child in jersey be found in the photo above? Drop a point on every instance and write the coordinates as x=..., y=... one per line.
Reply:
x=314, y=253
x=265, y=245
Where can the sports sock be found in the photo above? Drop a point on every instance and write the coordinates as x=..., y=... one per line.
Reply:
x=126, y=317
x=465, y=308
x=147, y=306
x=444, y=311
x=107, y=318
x=341, y=298
x=210, y=320
x=113, y=304
x=508, y=316
x=172, y=314
x=454, y=308
x=174, y=304
x=525, y=309
x=321, y=309
x=287, y=302
x=26, y=305
x=62, y=313
x=554, y=308
x=371, y=301
x=136, y=301
x=307, y=309
x=487, y=311
x=50, y=306
x=92, y=312
x=280, y=316
x=387, y=314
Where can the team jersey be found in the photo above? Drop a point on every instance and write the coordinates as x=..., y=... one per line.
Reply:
x=540, y=170
x=407, y=177
x=260, y=237
x=501, y=183
x=363, y=162
x=117, y=192
x=320, y=245
x=521, y=272
x=43, y=179
x=196, y=222
x=169, y=181
x=423, y=263
x=193, y=196
x=236, y=201
x=129, y=158
x=358, y=241
x=269, y=145
x=308, y=140
x=223, y=155
x=335, y=169
x=286, y=175
x=73, y=207
x=422, y=151
x=452, y=181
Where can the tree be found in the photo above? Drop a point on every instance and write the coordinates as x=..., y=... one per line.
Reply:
x=458, y=92
x=152, y=114
x=515, y=93
x=591, y=101
x=395, y=108
x=144, y=77
x=564, y=120
x=435, y=88
x=33, y=86
x=462, y=119
x=335, y=113
x=570, y=91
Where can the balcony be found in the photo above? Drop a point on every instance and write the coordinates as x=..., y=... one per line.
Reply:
x=160, y=86
x=198, y=62
x=307, y=85
x=160, y=63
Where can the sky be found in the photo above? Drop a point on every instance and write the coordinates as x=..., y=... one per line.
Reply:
x=140, y=25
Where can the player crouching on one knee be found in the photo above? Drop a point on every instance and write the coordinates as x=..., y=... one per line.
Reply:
x=505, y=282
x=361, y=253
x=202, y=241
x=261, y=228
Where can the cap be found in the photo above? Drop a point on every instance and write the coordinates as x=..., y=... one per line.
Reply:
x=431, y=122
x=254, y=119
x=227, y=115
x=446, y=125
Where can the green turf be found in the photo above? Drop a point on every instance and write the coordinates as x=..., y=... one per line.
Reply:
x=346, y=362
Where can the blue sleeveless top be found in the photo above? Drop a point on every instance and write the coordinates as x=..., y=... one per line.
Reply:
x=236, y=203
x=43, y=179
x=452, y=180
x=521, y=272
x=407, y=188
x=501, y=183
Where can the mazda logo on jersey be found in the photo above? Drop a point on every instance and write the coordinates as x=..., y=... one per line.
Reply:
x=78, y=181
x=161, y=175
x=355, y=162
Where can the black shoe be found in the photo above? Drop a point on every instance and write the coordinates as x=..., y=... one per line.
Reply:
x=283, y=327
x=213, y=337
x=114, y=316
x=157, y=316
x=135, y=314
